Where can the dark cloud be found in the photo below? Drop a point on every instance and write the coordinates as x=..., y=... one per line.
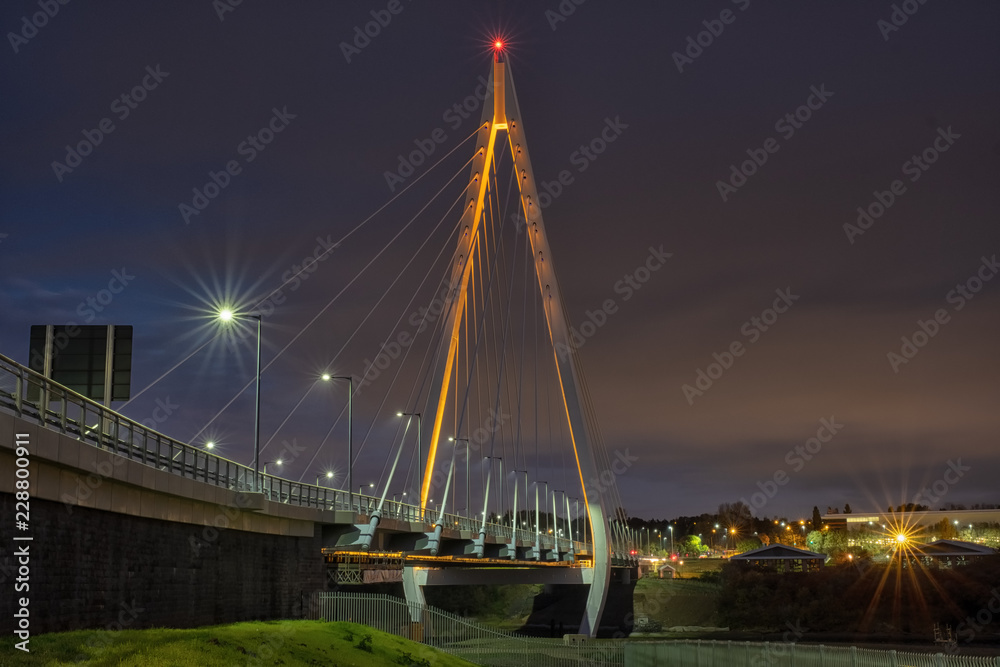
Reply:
x=655, y=185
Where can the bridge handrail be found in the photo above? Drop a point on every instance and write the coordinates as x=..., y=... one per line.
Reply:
x=114, y=432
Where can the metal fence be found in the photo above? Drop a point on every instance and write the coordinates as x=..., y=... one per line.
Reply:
x=462, y=637
x=24, y=392
x=786, y=654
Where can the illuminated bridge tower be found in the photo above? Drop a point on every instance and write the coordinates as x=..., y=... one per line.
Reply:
x=505, y=116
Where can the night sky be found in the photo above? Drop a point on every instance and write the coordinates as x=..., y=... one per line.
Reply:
x=839, y=106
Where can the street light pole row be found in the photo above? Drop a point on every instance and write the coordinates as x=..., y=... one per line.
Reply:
x=227, y=315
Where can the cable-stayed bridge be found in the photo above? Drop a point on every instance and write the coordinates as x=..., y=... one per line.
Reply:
x=496, y=414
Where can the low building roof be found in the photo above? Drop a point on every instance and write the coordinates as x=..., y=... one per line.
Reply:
x=779, y=552
x=942, y=548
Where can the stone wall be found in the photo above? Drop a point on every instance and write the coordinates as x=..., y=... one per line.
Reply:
x=91, y=568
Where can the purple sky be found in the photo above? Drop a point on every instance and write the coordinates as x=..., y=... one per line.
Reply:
x=869, y=99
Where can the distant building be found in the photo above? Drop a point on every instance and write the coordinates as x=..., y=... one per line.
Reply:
x=961, y=518
x=951, y=553
x=782, y=558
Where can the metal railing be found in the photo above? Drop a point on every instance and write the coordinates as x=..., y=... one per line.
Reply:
x=462, y=637
x=697, y=653
x=30, y=395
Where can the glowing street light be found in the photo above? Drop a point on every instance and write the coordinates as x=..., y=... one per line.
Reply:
x=226, y=315
x=326, y=377
x=419, y=429
x=276, y=462
x=328, y=475
x=468, y=485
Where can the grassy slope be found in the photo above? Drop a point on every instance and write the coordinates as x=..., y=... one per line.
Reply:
x=684, y=602
x=287, y=643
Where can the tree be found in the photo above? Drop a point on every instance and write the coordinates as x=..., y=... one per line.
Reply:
x=691, y=545
x=847, y=508
x=817, y=520
x=735, y=515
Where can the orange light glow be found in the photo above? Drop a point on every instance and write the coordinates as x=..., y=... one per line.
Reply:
x=498, y=44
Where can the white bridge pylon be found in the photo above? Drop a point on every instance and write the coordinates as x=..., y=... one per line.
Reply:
x=505, y=116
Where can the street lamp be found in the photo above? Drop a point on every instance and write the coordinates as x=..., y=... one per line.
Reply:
x=226, y=315
x=499, y=484
x=419, y=417
x=276, y=462
x=537, y=482
x=328, y=475
x=467, y=484
x=350, y=430
x=514, y=512
x=671, y=529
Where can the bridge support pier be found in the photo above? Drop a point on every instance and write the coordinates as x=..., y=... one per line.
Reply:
x=413, y=590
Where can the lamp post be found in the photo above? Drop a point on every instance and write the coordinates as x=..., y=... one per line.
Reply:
x=467, y=484
x=227, y=315
x=500, y=483
x=350, y=430
x=276, y=462
x=545, y=503
x=671, y=529
x=328, y=475
x=419, y=417
x=514, y=519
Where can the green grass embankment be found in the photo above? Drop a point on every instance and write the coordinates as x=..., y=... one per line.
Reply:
x=286, y=643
